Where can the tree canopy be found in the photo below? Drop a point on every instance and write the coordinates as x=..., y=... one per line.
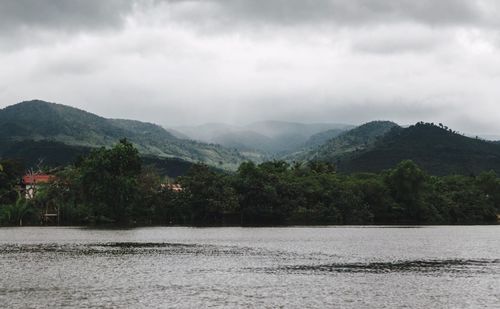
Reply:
x=112, y=185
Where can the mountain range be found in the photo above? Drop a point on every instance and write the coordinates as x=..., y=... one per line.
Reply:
x=43, y=121
x=58, y=134
x=267, y=138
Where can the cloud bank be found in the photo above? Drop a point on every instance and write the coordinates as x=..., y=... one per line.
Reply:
x=187, y=62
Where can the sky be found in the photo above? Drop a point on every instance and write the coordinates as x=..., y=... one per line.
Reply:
x=187, y=62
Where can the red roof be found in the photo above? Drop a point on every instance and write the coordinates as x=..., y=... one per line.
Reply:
x=38, y=178
x=172, y=186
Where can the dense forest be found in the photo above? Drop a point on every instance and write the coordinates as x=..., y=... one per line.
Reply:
x=114, y=186
x=435, y=148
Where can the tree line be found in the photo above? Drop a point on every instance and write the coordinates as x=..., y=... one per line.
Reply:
x=113, y=186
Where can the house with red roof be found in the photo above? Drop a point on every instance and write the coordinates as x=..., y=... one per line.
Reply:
x=31, y=182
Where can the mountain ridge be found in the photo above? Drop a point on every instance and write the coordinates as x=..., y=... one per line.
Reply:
x=358, y=138
x=270, y=137
x=40, y=120
x=436, y=149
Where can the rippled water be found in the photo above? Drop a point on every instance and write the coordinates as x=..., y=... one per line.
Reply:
x=330, y=267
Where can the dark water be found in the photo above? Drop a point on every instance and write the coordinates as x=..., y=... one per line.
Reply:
x=347, y=267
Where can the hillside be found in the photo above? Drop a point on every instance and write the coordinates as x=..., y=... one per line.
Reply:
x=39, y=121
x=51, y=154
x=435, y=149
x=359, y=138
x=322, y=137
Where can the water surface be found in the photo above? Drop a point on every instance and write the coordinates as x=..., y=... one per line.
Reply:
x=322, y=267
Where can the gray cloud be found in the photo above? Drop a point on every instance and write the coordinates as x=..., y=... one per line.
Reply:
x=387, y=40
x=191, y=61
x=80, y=15
x=356, y=11
x=339, y=12
x=62, y=15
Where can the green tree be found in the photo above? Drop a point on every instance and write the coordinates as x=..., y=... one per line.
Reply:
x=489, y=183
x=407, y=184
x=258, y=192
x=209, y=195
x=462, y=201
x=109, y=180
x=10, y=175
x=18, y=212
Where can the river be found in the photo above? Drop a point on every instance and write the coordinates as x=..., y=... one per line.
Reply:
x=295, y=267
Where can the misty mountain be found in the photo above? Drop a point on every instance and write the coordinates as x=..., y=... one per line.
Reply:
x=322, y=137
x=436, y=149
x=246, y=140
x=359, y=138
x=273, y=128
x=178, y=134
x=268, y=137
x=41, y=121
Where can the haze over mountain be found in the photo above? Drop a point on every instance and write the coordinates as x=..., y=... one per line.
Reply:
x=270, y=136
x=43, y=121
x=322, y=137
x=359, y=138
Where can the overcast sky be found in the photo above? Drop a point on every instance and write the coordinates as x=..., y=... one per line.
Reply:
x=195, y=61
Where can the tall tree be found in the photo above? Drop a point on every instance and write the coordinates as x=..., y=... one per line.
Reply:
x=110, y=182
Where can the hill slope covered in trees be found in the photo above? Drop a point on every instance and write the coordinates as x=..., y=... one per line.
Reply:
x=43, y=121
x=436, y=149
x=359, y=138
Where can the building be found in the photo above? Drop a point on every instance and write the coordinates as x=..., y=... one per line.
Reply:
x=175, y=187
x=31, y=182
x=30, y=185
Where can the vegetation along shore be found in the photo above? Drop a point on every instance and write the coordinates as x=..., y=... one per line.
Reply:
x=114, y=186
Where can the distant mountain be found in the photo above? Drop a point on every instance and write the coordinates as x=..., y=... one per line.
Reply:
x=436, y=149
x=359, y=138
x=267, y=137
x=322, y=137
x=205, y=132
x=245, y=140
x=274, y=128
x=40, y=121
x=178, y=134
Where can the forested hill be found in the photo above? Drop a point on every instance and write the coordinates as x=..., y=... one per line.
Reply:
x=436, y=149
x=43, y=121
x=359, y=138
